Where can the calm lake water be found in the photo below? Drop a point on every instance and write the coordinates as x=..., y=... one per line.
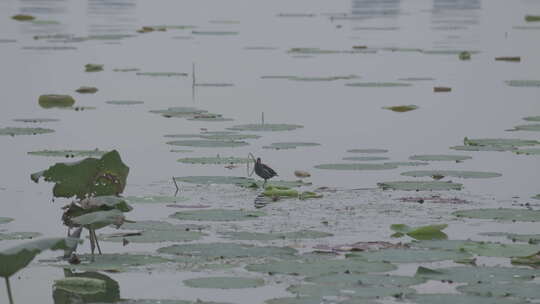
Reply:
x=255, y=40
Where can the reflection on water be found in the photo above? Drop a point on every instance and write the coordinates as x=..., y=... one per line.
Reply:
x=460, y=18
x=48, y=13
x=376, y=8
x=111, y=16
x=110, y=295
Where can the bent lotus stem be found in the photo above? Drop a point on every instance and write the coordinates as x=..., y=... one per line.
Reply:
x=10, y=296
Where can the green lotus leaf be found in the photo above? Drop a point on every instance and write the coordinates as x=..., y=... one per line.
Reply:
x=109, y=295
x=440, y=157
x=22, y=17
x=484, y=148
x=468, y=274
x=290, y=145
x=91, y=67
x=114, y=262
x=501, y=214
x=125, y=102
x=80, y=285
x=219, y=215
x=419, y=186
x=344, y=280
x=214, y=160
x=500, y=290
x=368, y=151
x=211, y=251
x=401, y=109
x=430, y=232
x=399, y=255
x=459, y=298
x=179, y=112
x=272, y=236
x=272, y=191
x=531, y=151
x=298, y=300
x=18, y=235
x=156, y=199
x=481, y=248
x=69, y=153
x=358, y=292
x=523, y=83
x=86, y=90
x=532, y=260
x=357, y=166
x=160, y=226
x=208, y=143
x=55, y=101
x=532, y=118
x=452, y=173
x=36, y=120
x=224, y=282
x=265, y=127
x=156, y=236
x=505, y=142
x=4, y=220
x=366, y=158
x=24, y=131
x=379, y=84
x=530, y=127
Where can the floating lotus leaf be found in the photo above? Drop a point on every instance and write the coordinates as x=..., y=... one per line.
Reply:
x=500, y=290
x=179, y=112
x=484, y=148
x=505, y=142
x=180, y=151
x=366, y=158
x=523, y=83
x=214, y=84
x=532, y=260
x=344, y=280
x=159, y=226
x=531, y=151
x=126, y=70
x=459, y=298
x=272, y=191
x=527, y=238
x=357, y=166
x=531, y=127
x=99, y=219
x=36, y=120
x=151, y=301
x=124, y=102
x=502, y=214
x=298, y=300
x=508, y=58
x=404, y=255
x=16, y=258
x=90, y=176
x=463, y=274
x=156, y=199
x=162, y=74
x=237, y=180
x=358, y=292
x=417, y=79
x=49, y=48
x=532, y=18
x=93, y=67
x=265, y=127
x=430, y=232
x=379, y=84
x=440, y=157
x=532, y=118
x=224, y=282
x=115, y=262
x=451, y=173
x=69, y=153
x=320, y=267
x=86, y=90
x=22, y=17
x=156, y=236
x=318, y=51
x=18, y=235
x=209, y=117
x=419, y=186
x=208, y=143
x=227, y=251
x=24, y=131
x=309, y=195
x=368, y=151
x=227, y=135
x=80, y=285
x=536, y=197
x=301, y=78
x=109, y=295
x=407, y=164
x=4, y=220
x=290, y=145
x=401, y=109
x=214, y=160
x=448, y=52
x=464, y=55
x=219, y=215
x=482, y=248
x=214, y=33
x=259, y=236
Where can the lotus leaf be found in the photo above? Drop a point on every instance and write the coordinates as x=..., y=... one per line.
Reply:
x=208, y=143
x=298, y=300
x=508, y=58
x=86, y=90
x=357, y=166
x=532, y=18
x=467, y=274
x=523, y=83
x=358, y=292
x=16, y=258
x=4, y=220
x=156, y=199
x=499, y=290
x=115, y=262
x=109, y=295
x=301, y=78
x=290, y=145
x=224, y=282
x=219, y=215
x=214, y=160
x=99, y=219
x=318, y=51
x=464, y=55
x=459, y=298
x=265, y=127
x=236, y=180
x=440, y=157
x=150, y=301
x=214, y=33
x=212, y=251
x=407, y=164
x=90, y=176
x=81, y=285
x=536, y=197
x=24, y=131
x=309, y=195
x=36, y=120
x=179, y=112
x=366, y=158
x=502, y=214
x=448, y=52
x=159, y=226
x=530, y=127
x=161, y=74
x=531, y=151
x=320, y=267
x=532, y=118
x=272, y=191
x=19, y=235
x=272, y=236
x=484, y=148
x=368, y=151
x=404, y=255
x=401, y=109
x=93, y=67
x=527, y=238
x=69, y=153
x=431, y=232
x=126, y=70
x=482, y=248
x=124, y=102
x=378, y=84
x=209, y=117
x=22, y=17
x=532, y=260
x=419, y=186
x=352, y=279
x=452, y=173
x=156, y=236
x=500, y=142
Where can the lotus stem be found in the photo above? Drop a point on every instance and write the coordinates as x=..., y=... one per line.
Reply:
x=10, y=296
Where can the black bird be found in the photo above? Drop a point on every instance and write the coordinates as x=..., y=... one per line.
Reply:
x=263, y=171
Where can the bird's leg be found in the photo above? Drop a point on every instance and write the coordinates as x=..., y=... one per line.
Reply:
x=92, y=245
x=264, y=184
x=97, y=242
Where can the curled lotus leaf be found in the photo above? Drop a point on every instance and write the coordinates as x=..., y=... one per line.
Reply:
x=440, y=157
x=501, y=214
x=499, y=290
x=419, y=186
x=523, y=83
x=531, y=151
x=530, y=127
x=208, y=143
x=224, y=282
x=368, y=151
x=36, y=120
x=69, y=153
x=357, y=166
x=459, y=298
x=214, y=160
x=290, y=145
x=464, y=274
x=227, y=251
x=320, y=267
x=24, y=131
x=357, y=292
x=379, y=84
x=81, y=285
x=19, y=235
x=452, y=173
x=90, y=176
x=401, y=109
x=219, y=215
x=366, y=158
x=265, y=127
x=124, y=102
x=272, y=236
